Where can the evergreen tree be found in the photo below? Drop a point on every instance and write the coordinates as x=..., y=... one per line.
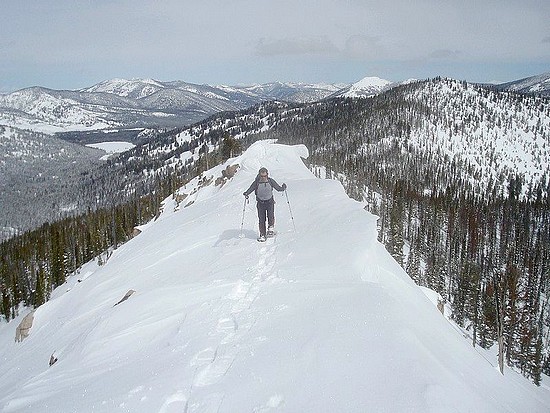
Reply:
x=230, y=147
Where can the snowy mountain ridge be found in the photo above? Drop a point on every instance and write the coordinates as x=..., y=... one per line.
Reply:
x=317, y=319
x=134, y=88
x=494, y=135
x=536, y=85
x=247, y=94
x=51, y=111
x=48, y=111
x=295, y=92
x=121, y=103
x=366, y=87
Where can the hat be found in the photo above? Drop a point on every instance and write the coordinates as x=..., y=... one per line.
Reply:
x=263, y=170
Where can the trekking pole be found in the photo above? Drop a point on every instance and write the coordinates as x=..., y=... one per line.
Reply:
x=242, y=222
x=290, y=209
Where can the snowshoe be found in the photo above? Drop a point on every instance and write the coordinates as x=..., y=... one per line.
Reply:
x=261, y=238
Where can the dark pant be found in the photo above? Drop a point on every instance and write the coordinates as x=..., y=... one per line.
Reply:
x=266, y=209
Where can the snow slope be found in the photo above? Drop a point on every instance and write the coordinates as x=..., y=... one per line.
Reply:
x=320, y=319
x=366, y=87
x=134, y=88
x=494, y=135
x=112, y=147
x=538, y=85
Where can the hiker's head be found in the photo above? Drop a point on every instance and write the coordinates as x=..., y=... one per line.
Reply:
x=263, y=172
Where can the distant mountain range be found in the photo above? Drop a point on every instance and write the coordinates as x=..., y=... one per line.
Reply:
x=369, y=86
x=534, y=85
x=147, y=103
x=141, y=103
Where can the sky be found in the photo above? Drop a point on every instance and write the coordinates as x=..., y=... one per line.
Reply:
x=71, y=44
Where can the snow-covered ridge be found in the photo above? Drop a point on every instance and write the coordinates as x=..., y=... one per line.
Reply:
x=137, y=88
x=491, y=135
x=495, y=136
x=321, y=318
x=121, y=103
x=538, y=85
x=366, y=87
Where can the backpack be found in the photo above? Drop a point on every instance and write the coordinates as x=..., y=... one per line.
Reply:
x=264, y=190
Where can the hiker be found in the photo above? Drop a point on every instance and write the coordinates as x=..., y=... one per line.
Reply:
x=263, y=187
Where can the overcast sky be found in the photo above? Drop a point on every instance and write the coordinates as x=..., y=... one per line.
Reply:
x=69, y=44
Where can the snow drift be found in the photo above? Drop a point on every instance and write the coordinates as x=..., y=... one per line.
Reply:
x=320, y=319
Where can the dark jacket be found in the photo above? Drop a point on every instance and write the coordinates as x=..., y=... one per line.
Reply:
x=254, y=187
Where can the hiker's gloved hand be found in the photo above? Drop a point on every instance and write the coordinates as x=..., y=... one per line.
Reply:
x=245, y=195
x=284, y=187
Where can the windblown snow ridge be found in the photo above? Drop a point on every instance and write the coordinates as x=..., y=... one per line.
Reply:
x=320, y=318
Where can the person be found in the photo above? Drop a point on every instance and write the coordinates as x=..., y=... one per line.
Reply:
x=263, y=187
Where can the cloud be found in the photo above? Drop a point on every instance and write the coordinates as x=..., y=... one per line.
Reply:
x=546, y=39
x=361, y=46
x=445, y=54
x=295, y=46
x=354, y=47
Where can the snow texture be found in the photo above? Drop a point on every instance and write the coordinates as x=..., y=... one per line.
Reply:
x=366, y=87
x=112, y=147
x=318, y=319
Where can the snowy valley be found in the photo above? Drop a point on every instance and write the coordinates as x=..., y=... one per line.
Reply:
x=40, y=178
x=320, y=318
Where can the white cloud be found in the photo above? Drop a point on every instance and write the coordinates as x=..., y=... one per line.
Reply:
x=362, y=46
x=445, y=54
x=295, y=46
